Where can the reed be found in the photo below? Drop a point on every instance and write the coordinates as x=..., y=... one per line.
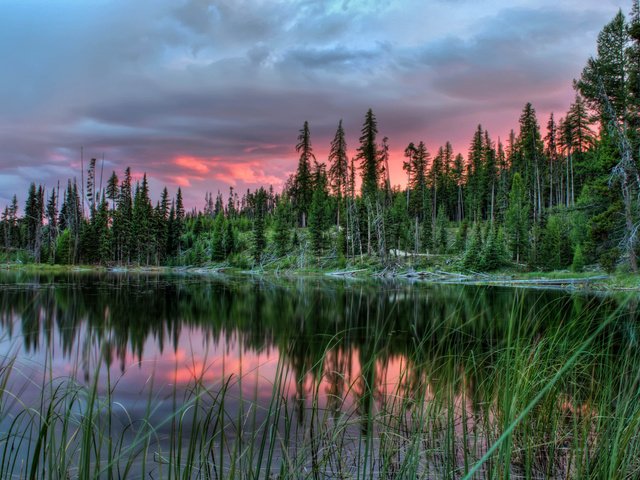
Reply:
x=548, y=399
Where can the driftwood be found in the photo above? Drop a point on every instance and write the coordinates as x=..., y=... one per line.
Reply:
x=345, y=273
x=475, y=278
x=557, y=281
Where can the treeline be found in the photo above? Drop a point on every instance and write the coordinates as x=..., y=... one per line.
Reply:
x=547, y=198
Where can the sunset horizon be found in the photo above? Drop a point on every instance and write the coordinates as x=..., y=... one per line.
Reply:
x=207, y=95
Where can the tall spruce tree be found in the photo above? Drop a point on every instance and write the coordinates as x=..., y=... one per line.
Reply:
x=339, y=164
x=517, y=219
x=282, y=234
x=303, y=182
x=34, y=213
x=368, y=156
x=259, y=238
x=530, y=159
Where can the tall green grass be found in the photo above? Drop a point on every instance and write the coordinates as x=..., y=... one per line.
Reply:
x=539, y=400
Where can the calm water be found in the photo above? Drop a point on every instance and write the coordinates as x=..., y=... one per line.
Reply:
x=332, y=351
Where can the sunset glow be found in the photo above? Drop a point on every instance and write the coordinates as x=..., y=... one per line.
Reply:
x=208, y=95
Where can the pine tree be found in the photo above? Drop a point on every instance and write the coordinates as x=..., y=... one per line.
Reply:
x=502, y=196
x=144, y=240
x=436, y=175
x=476, y=175
x=52, y=224
x=229, y=239
x=493, y=252
x=607, y=72
x=12, y=233
x=398, y=224
x=172, y=247
x=339, y=165
x=219, y=206
x=303, y=184
x=418, y=195
x=578, y=263
x=34, y=213
x=162, y=226
x=178, y=224
x=102, y=232
x=259, y=239
x=530, y=158
x=368, y=156
x=457, y=173
x=123, y=221
x=112, y=189
x=551, y=152
x=633, y=78
x=231, y=204
x=461, y=237
x=427, y=225
x=282, y=237
x=318, y=212
x=604, y=85
x=219, y=229
x=316, y=224
x=473, y=252
x=70, y=219
x=556, y=243
x=489, y=178
x=517, y=219
x=535, y=246
x=442, y=243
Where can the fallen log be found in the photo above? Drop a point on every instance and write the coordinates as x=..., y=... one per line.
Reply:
x=345, y=273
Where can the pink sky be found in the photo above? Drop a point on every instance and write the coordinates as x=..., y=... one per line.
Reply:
x=205, y=94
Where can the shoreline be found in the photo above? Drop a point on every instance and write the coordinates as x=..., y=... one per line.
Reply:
x=595, y=281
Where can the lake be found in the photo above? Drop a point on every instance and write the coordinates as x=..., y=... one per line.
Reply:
x=182, y=376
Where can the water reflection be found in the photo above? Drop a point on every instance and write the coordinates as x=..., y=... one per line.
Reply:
x=334, y=349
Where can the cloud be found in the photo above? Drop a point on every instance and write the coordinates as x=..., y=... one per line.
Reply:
x=210, y=93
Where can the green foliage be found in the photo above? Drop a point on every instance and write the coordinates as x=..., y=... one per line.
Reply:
x=556, y=249
x=339, y=164
x=517, y=220
x=259, y=239
x=282, y=236
x=368, y=156
x=578, y=263
x=302, y=188
x=63, y=248
x=536, y=252
x=398, y=223
x=494, y=253
x=442, y=242
x=218, y=250
x=229, y=239
x=609, y=259
x=318, y=213
x=473, y=254
x=461, y=237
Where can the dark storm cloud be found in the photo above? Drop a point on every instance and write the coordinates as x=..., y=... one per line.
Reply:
x=210, y=93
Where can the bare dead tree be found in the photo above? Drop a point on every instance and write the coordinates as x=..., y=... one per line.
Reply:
x=626, y=172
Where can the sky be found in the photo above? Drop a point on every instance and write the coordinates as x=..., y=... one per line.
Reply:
x=207, y=94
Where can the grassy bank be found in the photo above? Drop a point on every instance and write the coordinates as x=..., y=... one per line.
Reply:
x=438, y=270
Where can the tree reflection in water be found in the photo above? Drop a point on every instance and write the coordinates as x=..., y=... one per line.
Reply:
x=363, y=365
